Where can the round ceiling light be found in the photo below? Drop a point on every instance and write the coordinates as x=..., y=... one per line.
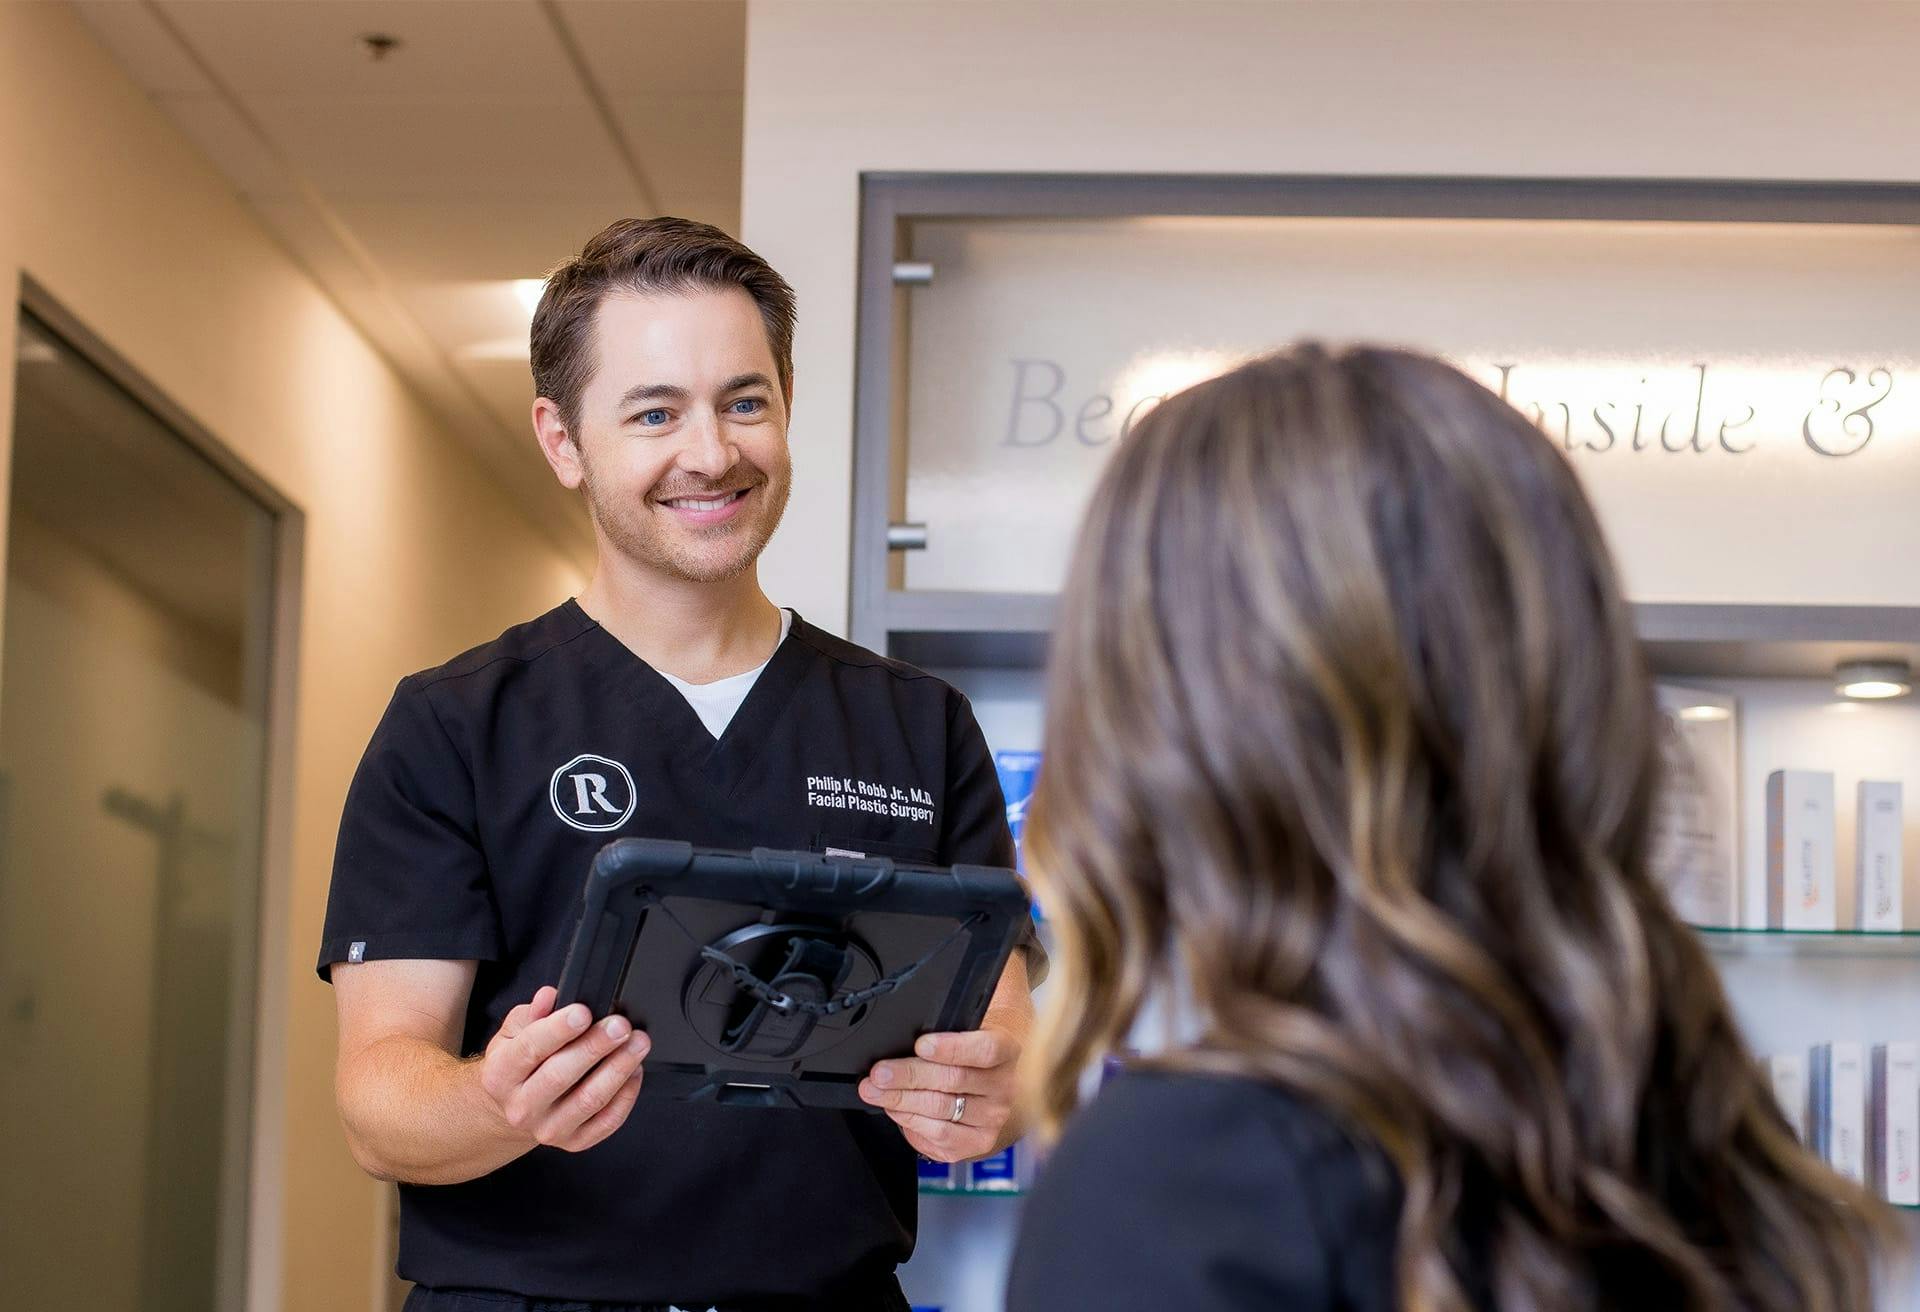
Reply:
x=1872, y=680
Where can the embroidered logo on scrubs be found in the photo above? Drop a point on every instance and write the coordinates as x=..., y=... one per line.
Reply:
x=594, y=793
x=830, y=792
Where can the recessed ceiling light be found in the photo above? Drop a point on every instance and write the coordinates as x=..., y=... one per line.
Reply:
x=1872, y=680
x=529, y=290
x=1705, y=714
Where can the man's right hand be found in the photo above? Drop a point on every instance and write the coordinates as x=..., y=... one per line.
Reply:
x=560, y=1079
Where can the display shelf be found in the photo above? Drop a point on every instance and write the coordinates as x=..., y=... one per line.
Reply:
x=1010, y=631
x=1810, y=942
x=943, y=1191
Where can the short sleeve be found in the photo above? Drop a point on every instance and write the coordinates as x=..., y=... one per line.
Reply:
x=975, y=831
x=1173, y=1193
x=409, y=877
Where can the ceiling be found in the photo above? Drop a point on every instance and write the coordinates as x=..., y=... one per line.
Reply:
x=485, y=147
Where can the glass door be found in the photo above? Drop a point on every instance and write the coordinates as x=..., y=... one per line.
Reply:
x=133, y=697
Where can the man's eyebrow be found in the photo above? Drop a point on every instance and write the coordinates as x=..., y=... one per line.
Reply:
x=651, y=392
x=739, y=381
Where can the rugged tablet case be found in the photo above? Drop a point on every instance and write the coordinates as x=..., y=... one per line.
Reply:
x=777, y=979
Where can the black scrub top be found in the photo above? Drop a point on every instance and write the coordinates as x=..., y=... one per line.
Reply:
x=1213, y=1193
x=1206, y=1192
x=486, y=790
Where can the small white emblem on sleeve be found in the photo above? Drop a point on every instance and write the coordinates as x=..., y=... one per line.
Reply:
x=357, y=952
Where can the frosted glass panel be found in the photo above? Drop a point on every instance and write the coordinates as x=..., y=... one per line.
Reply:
x=1742, y=401
x=132, y=743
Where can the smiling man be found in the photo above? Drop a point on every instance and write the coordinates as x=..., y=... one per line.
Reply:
x=671, y=699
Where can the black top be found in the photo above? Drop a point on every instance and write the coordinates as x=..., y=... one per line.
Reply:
x=488, y=787
x=1207, y=1194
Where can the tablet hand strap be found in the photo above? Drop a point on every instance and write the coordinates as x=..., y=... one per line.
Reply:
x=832, y=1003
x=814, y=968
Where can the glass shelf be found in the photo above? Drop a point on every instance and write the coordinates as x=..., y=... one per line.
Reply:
x=945, y=1191
x=1810, y=942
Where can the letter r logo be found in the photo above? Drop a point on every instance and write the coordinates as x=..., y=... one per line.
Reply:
x=590, y=790
x=593, y=793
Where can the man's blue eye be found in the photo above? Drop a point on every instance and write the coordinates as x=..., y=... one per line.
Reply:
x=652, y=418
x=753, y=405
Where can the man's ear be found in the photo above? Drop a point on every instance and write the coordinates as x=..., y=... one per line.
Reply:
x=557, y=444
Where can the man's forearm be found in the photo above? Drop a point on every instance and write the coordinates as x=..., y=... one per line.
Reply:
x=416, y=1113
x=1011, y=1009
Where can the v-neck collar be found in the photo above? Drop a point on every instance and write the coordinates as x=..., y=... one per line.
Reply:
x=722, y=761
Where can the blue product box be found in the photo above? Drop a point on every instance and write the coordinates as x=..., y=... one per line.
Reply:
x=996, y=1174
x=1017, y=771
x=938, y=1175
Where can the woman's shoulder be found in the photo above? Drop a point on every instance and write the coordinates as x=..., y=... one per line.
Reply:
x=1207, y=1187
x=1173, y=1116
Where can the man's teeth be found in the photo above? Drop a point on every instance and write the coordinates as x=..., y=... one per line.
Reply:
x=703, y=503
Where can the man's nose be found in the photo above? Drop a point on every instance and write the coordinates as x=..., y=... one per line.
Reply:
x=707, y=451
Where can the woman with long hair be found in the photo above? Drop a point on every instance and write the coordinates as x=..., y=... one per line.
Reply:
x=1350, y=764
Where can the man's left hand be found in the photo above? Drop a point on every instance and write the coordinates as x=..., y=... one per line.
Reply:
x=972, y=1074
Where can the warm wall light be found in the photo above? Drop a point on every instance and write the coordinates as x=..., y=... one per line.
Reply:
x=1705, y=714
x=529, y=291
x=1872, y=680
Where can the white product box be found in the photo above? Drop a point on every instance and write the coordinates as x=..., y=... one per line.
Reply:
x=1838, y=1076
x=1696, y=820
x=1876, y=868
x=1787, y=1072
x=1800, y=880
x=1895, y=1125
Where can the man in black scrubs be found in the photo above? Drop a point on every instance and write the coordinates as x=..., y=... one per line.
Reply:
x=671, y=699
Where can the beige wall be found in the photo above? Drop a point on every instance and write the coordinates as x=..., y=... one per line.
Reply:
x=838, y=87
x=408, y=557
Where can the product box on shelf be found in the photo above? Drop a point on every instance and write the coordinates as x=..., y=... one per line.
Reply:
x=1787, y=1073
x=1017, y=771
x=1838, y=1080
x=997, y=1173
x=1800, y=839
x=1895, y=1123
x=1008, y=1171
x=1696, y=817
x=939, y=1175
x=1877, y=866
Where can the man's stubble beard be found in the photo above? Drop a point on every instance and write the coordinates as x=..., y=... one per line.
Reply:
x=656, y=551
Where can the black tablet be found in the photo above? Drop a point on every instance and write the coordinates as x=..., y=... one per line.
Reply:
x=778, y=979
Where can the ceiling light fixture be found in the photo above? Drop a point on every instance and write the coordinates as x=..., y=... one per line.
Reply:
x=1872, y=680
x=1705, y=714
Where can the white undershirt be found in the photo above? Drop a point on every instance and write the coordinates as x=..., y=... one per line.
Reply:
x=716, y=703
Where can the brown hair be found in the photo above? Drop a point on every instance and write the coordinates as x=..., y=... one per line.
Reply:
x=1349, y=731
x=647, y=256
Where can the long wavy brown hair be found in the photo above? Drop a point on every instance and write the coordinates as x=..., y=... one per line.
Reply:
x=1349, y=732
